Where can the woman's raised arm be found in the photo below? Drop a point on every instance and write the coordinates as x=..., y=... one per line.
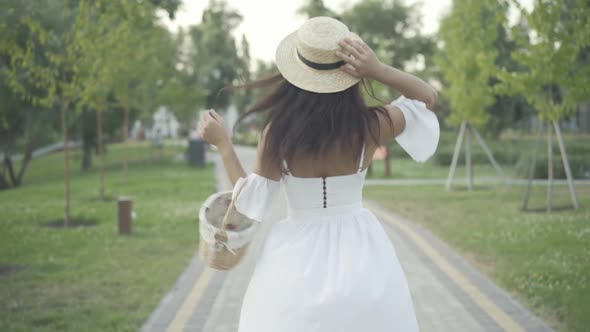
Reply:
x=212, y=129
x=362, y=62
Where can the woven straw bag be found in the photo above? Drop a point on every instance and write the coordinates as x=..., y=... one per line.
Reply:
x=224, y=232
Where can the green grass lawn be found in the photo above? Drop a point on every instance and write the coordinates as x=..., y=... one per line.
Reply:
x=90, y=278
x=543, y=259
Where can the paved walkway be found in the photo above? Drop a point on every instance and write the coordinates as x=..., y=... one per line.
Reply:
x=449, y=294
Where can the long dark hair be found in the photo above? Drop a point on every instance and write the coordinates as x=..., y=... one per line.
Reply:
x=312, y=122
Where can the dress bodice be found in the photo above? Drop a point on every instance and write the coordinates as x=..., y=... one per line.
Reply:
x=310, y=193
x=259, y=196
x=323, y=192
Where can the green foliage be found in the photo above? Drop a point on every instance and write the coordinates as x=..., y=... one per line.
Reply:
x=502, y=154
x=392, y=30
x=579, y=164
x=33, y=46
x=315, y=8
x=467, y=59
x=82, y=55
x=578, y=153
x=506, y=111
x=214, y=61
x=556, y=77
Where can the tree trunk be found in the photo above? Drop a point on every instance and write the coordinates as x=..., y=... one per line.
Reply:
x=15, y=180
x=100, y=154
x=86, y=161
x=549, y=168
x=387, y=162
x=28, y=153
x=532, y=165
x=7, y=166
x=3, y=183
x=64, y=128
x=125, y=142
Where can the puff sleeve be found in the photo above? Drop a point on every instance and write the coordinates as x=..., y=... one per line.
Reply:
x=259, y=198
x=422, y=132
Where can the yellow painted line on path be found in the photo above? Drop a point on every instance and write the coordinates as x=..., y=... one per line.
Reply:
x=190, y=303
x=482, y=300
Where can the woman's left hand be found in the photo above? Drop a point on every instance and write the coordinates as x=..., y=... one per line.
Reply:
x=212, y=128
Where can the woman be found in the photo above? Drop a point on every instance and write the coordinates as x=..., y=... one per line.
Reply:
x=329, y=265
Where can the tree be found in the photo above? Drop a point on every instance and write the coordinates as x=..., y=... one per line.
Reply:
x=555, y=78
x=467, y=62
x=507, y=110
x=22, y=114
x=129, y=58
x=315, y=8
x=214, y=60
x=95, y=21
x=45, y=62
x=243, y=98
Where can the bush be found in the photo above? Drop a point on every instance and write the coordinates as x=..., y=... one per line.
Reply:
x=507, y=155
x=580, y=165
x=574, y=147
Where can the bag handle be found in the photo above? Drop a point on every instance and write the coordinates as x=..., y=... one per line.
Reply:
x=222, y=233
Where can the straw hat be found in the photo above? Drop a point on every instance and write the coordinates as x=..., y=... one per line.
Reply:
x=307, y=57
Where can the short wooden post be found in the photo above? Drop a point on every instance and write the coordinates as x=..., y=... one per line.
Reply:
x=125, y=205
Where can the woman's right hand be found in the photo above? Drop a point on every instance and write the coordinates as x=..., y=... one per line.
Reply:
x=361, y=61
x=212, y=129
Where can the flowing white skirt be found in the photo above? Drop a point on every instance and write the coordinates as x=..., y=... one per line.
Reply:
x=328, y=271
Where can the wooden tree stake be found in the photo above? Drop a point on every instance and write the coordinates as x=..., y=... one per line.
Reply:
x=566, y=165
x=468, y=157
x=491, y=158
x=456, y=154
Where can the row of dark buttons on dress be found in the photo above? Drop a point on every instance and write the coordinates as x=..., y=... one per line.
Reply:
x=324, y=180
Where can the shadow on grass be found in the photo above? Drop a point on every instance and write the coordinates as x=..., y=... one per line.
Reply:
x=105, y=199
x=543, y=209
x=8, y=269
x=75, y=222
x=476, y=187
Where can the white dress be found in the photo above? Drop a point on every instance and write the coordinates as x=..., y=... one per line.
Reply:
x=329, y=266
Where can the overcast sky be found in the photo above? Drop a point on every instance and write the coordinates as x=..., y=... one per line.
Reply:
x=266, y=22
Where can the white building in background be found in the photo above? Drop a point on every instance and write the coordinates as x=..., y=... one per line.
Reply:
x=136, y=129
x=165, y=124
x=230, y=117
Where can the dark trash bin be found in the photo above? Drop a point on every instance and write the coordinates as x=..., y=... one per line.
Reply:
x=196, y=152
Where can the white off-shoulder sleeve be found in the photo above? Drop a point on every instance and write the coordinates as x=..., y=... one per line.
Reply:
x=259, y=196
x=422, y=132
